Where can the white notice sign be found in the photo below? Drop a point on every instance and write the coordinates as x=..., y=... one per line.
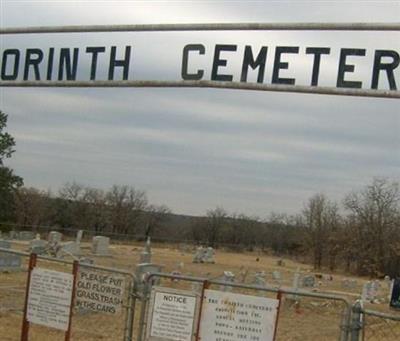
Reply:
x=100, y=292
x=235, y=317
x=49, y=298
x=173, y=315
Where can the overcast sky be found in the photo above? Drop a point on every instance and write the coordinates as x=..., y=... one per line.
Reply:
x=195, y=149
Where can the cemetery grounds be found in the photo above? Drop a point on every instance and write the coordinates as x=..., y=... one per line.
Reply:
x=309, y=319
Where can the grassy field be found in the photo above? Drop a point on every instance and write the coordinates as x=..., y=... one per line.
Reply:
x=310, y=319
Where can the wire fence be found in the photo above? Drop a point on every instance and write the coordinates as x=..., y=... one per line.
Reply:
x=87, y=325
x=302, y=315
x=377, y=326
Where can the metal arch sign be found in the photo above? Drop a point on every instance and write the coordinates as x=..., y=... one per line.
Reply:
x=62, y=67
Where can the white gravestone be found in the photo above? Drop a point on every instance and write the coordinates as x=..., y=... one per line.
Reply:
x=100, y=246
x=145, y=255
x=38, y=246
x=9, y=261
x=199, y=254
x=209, y=256
x=369, y=291
x=276, y=275
x=143, y=270
x=229, y=277
x=5, y=244
x=54, y=237
x=308, y=281
x=72, y=248
x=259, y=278
x=26, y=235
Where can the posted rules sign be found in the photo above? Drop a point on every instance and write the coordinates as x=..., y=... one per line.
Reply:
x=49, y=298
x=99, y=291
x=172, y=315
x=237, y=317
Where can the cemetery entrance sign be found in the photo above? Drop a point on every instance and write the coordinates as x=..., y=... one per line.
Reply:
x=79, y=66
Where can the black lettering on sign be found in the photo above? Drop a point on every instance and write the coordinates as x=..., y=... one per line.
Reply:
x=6, y=54
x=124, y=63
x=221, y=62
x=388, y=67
x=50, y=63
x=278, y=65
x=65, y=63
x=33, y=58
x=343, y=68
x=248, y=60
x=317, y=52
x=93, y=66
x=185, y=59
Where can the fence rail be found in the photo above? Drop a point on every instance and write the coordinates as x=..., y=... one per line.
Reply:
x=206, y=27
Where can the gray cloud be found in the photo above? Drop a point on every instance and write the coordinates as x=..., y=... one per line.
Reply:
x=193, y=149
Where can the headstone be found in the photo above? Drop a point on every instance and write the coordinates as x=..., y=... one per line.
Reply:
x=69, y=248
x=244, y=271
x=348, y=283
x=369, y=292
x=79, y=236
x=145, y=255
x=26, y=235
x=276, y=275
x=229, y=277
x=199, y=254
x=13, y=234
x=38, y=246
x=10, y=262
x=387, y=281
x=54, y=237
x=5, y=244
x=259, y=278
x=100, y=246
x=143, y=270
x=308, y=281
x=296, y=282
x=209, y=256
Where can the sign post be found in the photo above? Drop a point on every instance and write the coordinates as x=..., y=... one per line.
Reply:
x=25, y=323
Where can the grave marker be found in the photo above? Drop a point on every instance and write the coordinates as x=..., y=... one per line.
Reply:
x=26, y=235
x=100, y=246
x=54, y=237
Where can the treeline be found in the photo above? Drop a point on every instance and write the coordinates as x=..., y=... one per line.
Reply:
x=119, y=211
x=361, y=234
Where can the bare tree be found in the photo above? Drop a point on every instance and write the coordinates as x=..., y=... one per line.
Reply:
x=321, y=218
x=155, y=216
x=31, y=206
x=125, y=204
x=213, y=224
x=374, y=213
